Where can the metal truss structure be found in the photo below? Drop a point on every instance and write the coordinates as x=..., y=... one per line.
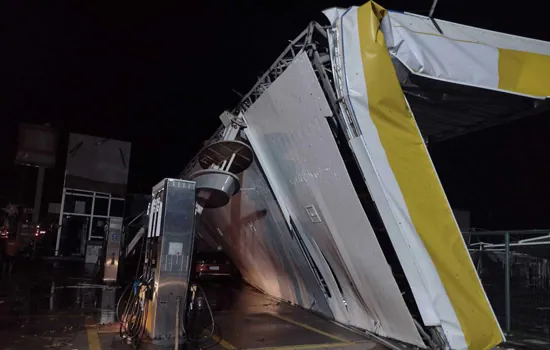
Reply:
x=314, y=41
x=313, y=36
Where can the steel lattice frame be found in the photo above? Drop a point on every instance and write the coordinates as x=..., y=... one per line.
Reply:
x=306, y=40
x=313, y=38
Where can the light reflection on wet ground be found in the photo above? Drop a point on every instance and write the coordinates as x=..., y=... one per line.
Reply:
x=41, y=308
x=44, y=308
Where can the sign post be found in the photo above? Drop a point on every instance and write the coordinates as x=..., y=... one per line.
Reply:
x=37, y=147
x=38, y=195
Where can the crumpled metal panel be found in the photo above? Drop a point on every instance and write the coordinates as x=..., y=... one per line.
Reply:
x=295, y=146
x=252, y=231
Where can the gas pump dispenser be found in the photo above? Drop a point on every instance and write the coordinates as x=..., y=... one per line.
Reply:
x=162, y=303
x=155, y=306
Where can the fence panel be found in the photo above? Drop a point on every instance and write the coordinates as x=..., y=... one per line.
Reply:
x=521, y=302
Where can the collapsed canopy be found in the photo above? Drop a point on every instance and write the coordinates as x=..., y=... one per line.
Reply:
x=297, y=229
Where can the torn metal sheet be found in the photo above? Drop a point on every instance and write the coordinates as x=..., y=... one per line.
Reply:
x=253, y=232
x=288, y=130
x=468, y=55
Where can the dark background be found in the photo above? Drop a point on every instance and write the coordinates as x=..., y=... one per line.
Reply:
x=158, y=74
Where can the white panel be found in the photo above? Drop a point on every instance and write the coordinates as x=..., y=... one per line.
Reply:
x=334, y=13
x=463, y=54
x=289, y=133
x=438, y=57
x=253, y=232
x=461, y=32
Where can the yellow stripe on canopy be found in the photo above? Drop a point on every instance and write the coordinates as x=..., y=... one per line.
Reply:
x=524, y=72
x=426, y=202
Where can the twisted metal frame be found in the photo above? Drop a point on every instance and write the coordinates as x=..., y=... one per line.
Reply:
x=309, y=40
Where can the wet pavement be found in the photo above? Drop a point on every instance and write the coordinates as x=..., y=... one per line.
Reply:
x=42, y=307
x=252, y=320
x=248, y=319
x=47, y=307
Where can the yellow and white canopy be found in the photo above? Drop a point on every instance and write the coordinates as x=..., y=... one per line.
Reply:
x=394, y=159
x=468, y=55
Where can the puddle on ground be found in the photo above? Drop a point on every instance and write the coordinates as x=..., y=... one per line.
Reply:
x=19, y=301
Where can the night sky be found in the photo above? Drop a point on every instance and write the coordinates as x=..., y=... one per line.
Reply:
x=158, y=74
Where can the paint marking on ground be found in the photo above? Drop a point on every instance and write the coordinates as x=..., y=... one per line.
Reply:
x=109, y=329
x=515, y=343
x=93, y=337
x=224, y=344
x=303, y=325
x=308, y=346
x=40, y=316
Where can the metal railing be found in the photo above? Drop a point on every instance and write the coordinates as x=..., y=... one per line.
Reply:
x=514, y=269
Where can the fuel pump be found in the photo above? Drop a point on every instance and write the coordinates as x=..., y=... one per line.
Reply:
x=162, y=303
x=155, y=306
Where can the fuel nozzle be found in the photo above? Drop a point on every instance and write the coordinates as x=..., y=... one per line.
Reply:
x=196, y=302
x=193, y=295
